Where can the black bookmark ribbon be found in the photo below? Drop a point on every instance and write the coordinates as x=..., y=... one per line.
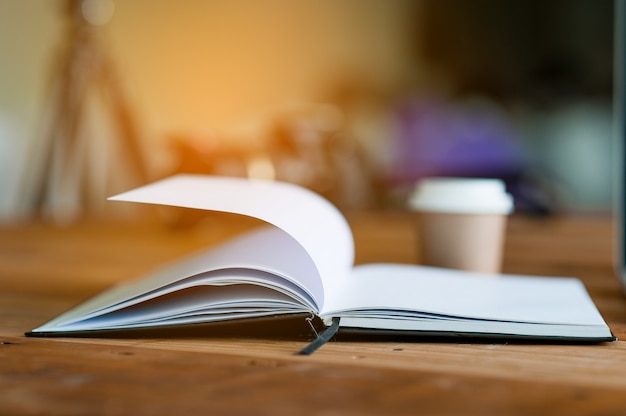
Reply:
x=321, y=339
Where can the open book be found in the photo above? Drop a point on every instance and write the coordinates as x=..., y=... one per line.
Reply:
x=302, y=263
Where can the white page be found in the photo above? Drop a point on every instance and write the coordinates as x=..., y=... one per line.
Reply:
x=310, y=219
x=449, y=292
x=201, y=301
x=263, y=250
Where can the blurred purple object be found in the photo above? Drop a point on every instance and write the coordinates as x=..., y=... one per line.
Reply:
x=462, y=139
x=437, y=139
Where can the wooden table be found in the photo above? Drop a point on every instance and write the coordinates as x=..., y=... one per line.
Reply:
x=47, y=269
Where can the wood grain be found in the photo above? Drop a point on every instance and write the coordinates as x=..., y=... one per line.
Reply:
x=45, y=270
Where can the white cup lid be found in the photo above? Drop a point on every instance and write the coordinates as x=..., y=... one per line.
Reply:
x=461, y=195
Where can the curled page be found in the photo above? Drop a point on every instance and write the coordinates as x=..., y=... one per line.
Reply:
x=316, y=224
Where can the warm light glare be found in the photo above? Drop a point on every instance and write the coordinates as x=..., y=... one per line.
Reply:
x=212, y=64
x=261, y=168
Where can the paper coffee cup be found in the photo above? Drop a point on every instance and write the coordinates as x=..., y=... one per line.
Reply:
x=462, y=222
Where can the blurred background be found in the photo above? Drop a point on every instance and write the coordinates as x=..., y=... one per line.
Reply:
x=355, y=99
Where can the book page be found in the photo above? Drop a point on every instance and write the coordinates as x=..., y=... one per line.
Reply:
x=189, y=304
x=268, y=256
x=311, y=220
x=400, y=288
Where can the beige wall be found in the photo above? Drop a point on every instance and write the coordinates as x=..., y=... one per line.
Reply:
x=199, y=63
x=194, y=65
